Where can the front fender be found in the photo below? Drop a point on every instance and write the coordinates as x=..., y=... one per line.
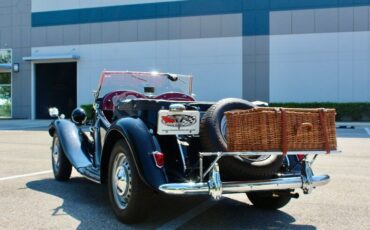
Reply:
x=71, y=142
x=142, y=144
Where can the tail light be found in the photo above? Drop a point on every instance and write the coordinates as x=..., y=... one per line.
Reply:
x=158, y=159
x=300, y=157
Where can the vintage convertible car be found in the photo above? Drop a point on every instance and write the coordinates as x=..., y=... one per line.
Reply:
x=149, y=135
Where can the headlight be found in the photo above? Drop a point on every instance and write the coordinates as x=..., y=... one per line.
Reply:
x=53, y=112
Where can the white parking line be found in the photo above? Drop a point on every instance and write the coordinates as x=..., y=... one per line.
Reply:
x=368, y=131
x=184, y=218
x=25, y=175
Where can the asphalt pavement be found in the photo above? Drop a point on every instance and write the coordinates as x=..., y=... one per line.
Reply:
x=31, y=198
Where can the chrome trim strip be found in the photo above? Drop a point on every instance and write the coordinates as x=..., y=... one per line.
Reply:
x=6, y=66
x=52, y=57
x=190, y=188
x=202, y=188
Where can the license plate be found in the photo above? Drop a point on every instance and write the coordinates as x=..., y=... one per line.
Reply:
x=178, y=123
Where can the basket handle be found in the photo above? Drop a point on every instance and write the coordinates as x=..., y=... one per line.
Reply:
x=304, y=126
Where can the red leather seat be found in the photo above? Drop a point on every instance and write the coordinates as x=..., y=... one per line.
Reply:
x=107, y=105
x=175, y=97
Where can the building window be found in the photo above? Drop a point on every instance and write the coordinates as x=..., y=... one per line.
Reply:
x=5, y=84
x=5, y=56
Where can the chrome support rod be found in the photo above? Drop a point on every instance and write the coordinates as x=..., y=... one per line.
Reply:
x=313, y=160
x=219, y=155
x=201, y=168
x=267, y=153
x=181, y=152
x=307, y=177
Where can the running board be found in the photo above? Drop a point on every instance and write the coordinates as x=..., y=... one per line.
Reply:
x=90, y=173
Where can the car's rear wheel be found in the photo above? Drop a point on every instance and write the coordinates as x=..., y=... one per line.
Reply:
x=129, y=196
x=62, y=168
x=213, y=139
x=268, y=200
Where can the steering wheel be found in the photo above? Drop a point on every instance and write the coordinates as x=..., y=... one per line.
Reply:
x=111, y=98
x=126, y=95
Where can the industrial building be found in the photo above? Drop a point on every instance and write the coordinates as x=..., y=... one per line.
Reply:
x=52, y=51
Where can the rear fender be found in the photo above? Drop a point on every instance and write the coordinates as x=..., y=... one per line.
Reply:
x=142, y=144
x=71, y=141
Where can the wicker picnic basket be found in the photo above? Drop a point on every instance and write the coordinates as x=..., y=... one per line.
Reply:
x=277, y=129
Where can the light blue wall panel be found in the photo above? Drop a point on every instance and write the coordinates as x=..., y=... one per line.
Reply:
x=330, y=67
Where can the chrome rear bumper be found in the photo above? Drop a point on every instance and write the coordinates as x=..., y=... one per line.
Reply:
x=204, y=188
x=215, y=187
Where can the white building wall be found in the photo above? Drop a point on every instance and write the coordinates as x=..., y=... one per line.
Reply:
x=215, y=63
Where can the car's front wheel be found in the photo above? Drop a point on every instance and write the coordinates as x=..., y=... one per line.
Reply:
x=129, y=196
x=62, y=168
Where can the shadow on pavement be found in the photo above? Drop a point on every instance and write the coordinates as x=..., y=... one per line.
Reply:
x=233, y=214
x=88, y=202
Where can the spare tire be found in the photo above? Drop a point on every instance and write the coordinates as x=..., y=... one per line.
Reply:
x=213, y=139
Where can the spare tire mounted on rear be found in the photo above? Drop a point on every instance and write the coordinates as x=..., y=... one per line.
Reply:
x=213, y=139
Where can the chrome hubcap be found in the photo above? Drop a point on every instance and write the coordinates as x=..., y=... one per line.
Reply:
x=248, y=158
x=121, y=184
x=224, y=127
x=55, y=154
x=121, y=181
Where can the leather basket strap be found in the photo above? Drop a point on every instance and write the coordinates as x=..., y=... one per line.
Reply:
x=324, y=129
x=284, y=141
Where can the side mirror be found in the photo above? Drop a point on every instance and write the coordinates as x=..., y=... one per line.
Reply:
x=53, y=112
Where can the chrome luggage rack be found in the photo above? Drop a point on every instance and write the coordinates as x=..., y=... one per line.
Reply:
x=215, y=187
x=219, y=155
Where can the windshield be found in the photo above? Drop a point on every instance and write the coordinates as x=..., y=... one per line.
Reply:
x=147, y=83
